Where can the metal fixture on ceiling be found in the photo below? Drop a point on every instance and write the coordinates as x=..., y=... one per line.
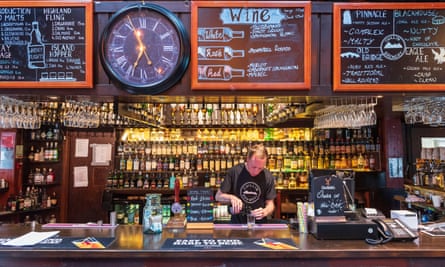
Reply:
x=425, y=110
x=353, y=112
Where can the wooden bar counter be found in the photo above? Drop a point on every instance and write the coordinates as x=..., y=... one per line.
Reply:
x=133, y=248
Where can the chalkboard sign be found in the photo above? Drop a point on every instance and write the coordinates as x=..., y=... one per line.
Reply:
x=199, y=205
x=250, y=45
x=46, y=44
x=328, y=196
x=389, y=46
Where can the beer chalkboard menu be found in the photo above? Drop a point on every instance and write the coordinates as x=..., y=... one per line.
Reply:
x=389, y=46
x=328, y=196
x=250, y=45
x=199, y=205
x=46, y=44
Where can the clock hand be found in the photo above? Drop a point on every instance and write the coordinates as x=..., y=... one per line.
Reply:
x=136, y=62
x=142, y=49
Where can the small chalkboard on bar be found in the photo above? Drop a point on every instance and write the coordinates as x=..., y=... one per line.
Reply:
x=257, y=45
x=200, y=205
x=328, y=196
x=389, y=46
x=46, y=44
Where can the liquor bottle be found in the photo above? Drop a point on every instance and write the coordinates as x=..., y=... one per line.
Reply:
x=320, y=162
x=223, y=162
x=115, y=182
x=126, y=181
x=206, y=180
x=27, y=204
x=372, y=161
x=37, y=155
x=142, y=162
x=166, y=181
x=171, y=184
x=199, y=165
x=136, y=163
x=44, y=199
x=280, y=180
x=132, y=180
x=171, y=163
x=272, y=162
x=360, y=161
x=31, y=154
x=185, y=179
x=136, y=216
x=54, y=199
x=56, y=132
x=213, y=179
x=217, y=163
x=50, y=176
x=122, y=163
x=55, y=151
x=129, y=163
x=165, y=163
x=38, y=176
x=120, y=180
x=205, y=162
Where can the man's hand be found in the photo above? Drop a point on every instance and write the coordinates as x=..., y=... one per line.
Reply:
x=259, y=213
x=237, y=204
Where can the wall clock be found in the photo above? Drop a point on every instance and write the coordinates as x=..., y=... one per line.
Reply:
x=144, y=49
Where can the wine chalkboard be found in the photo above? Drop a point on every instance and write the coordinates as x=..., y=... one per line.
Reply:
x=46, y=44
x=389, y=47
x=250, y=45
x=199, y=205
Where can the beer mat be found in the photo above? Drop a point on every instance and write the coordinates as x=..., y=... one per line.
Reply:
x=58, y=242
x=256, y=226
x=79, y=225
x=228, y=244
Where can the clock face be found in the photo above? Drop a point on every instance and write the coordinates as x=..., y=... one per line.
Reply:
x=144, y=49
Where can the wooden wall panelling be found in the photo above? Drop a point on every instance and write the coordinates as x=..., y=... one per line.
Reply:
x=85, y=203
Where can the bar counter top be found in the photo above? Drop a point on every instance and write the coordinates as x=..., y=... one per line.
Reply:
x=133, y=248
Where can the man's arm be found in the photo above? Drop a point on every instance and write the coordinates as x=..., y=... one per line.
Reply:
x=237, y=204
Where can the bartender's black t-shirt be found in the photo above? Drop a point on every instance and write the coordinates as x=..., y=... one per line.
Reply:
x=253, y=191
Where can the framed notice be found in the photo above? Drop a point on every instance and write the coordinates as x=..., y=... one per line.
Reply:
x=250, y=45
x=46, y=44
x=389, y=46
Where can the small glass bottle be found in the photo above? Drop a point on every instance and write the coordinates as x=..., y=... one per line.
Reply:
x=152, y=221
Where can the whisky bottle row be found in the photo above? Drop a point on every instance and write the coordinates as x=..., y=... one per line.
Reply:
x=48, y=152
x=186, y=179
x=50, y=134
x=296, y=158
x=42, y=176
x=33, y=198
x=179, y=162
x=317, y=147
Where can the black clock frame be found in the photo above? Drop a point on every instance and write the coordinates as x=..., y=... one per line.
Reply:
x=181, y=66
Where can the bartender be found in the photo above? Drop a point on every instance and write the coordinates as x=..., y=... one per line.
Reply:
x=249, y=187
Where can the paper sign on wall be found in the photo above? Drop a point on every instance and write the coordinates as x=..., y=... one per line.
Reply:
x=81, y=148
x=80, y=176
x=101, y=154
